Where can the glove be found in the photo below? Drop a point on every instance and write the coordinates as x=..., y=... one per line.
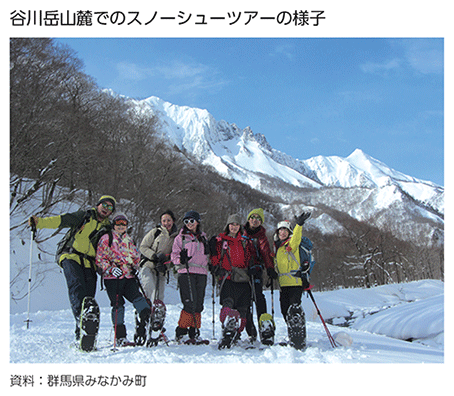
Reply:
x=212, y=246
x=117, y=272
x=161, y=267
x=184, y=258
x=32, y=221
x=219, y=271
x=255, y=270
x=300, y=220
x=272, y=273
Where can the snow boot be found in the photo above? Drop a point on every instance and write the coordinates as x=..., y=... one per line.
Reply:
x=194, y=337
x=296, y=326
x=230, y=319
x=89, y=324
x=266, y=329
x=180, y=332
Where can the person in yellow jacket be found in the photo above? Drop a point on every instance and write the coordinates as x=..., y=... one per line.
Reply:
x=286, y=247
x=76, y=252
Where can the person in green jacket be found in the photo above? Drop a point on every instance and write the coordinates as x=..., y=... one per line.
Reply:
x=77, y=252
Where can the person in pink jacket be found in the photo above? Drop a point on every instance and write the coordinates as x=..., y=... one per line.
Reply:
x=190, y=254
x=118, y=258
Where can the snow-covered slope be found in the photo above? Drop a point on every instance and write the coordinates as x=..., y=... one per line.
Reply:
x=359, y=185
x=248, y=157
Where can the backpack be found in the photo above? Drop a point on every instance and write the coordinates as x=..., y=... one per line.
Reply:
x=305, y=251
x=63, y=245
x=306, y=262
x=96, y=235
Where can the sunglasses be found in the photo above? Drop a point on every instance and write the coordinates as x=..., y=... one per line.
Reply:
x=121, y=223
x=189, y=221
x=107, y=206
x=254, y=217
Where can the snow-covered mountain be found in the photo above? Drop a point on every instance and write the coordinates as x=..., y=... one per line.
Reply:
x=358, y=184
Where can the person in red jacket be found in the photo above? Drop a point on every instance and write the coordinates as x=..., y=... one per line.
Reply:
x=232, y=256
x=255, y=231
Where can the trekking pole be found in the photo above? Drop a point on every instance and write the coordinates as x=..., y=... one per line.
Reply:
x=142, y=289
x=253, y=300
x=330, y=337
x=114, y=349
x=32, y=238
x=213, y=285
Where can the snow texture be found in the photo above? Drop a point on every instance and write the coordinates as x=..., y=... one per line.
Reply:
x=379, y=319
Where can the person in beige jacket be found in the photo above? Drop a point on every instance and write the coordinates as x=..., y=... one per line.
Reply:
x=156, y=247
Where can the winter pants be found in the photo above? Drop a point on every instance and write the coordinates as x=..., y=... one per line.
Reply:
x=149, y=278
x=260, y=306
x=81, y=282
x=289, y=295
x=118, y=290
x=192, y=302
x=237, y=296
x=260, y=302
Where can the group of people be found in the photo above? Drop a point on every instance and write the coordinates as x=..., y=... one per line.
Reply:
x=239, y=259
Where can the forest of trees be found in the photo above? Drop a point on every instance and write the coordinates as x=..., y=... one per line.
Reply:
x=67, y=132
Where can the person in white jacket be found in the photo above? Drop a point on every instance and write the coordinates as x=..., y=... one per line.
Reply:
x=156, y=247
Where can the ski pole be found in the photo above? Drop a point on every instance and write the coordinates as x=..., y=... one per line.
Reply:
x=330, y=337
x=32, y=238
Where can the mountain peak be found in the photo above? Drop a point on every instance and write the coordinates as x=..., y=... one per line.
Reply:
x=249, y=158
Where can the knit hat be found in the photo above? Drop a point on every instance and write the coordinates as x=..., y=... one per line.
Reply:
x=192, y=214
x=107, y=198
x=259, y=212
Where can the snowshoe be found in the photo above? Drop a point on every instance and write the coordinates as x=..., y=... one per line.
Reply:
x=158, y=316
x=142, y=322
x=266, y=329
x=124, y=342
x=89, y=324
x=230, y=319
x=296, y=326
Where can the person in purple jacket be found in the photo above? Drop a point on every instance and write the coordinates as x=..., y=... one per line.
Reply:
x=190, y=254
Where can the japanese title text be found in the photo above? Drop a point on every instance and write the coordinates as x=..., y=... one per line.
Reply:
x=119, y=18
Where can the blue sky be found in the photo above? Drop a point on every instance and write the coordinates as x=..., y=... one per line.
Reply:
x=308, y=96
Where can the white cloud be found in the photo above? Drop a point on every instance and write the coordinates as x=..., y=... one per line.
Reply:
x=284, y=49
x=424, y=55
x=379, y=68
x=177, y=75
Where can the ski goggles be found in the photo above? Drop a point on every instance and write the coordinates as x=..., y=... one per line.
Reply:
x=189, y=221
x=107, y=206
x=123, y=223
